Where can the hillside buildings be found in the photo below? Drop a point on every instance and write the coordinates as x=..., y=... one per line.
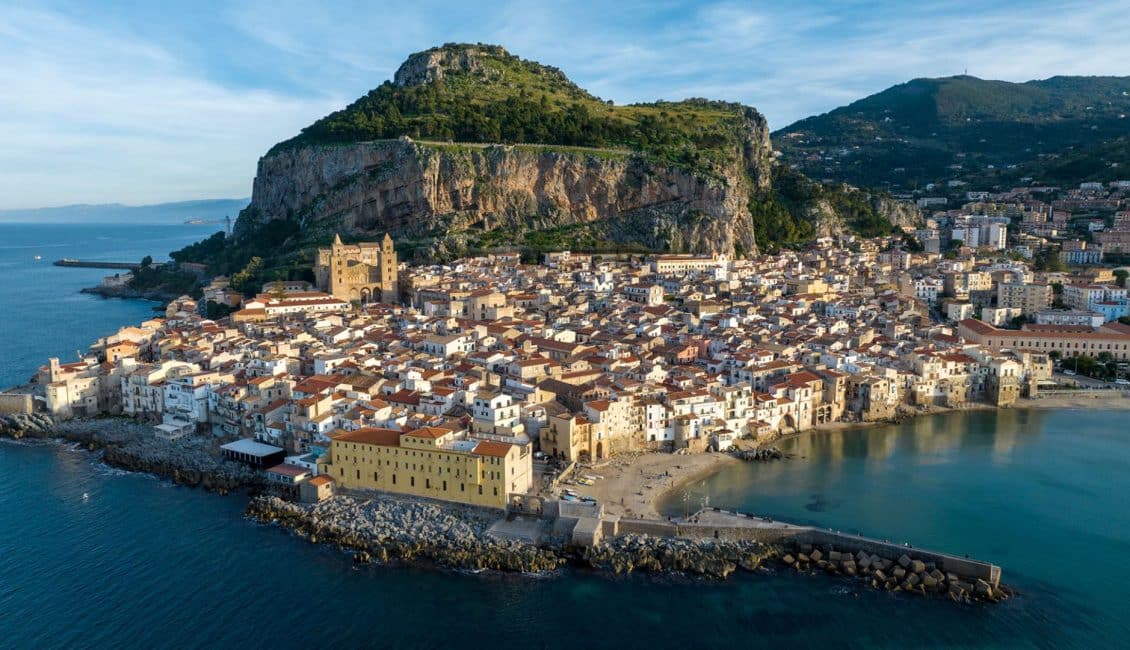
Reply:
x=487, y=361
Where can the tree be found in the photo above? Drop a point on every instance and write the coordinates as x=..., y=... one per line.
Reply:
x=244, y=280
x=146, y=261
x=1121, y=275
x=1048, y=260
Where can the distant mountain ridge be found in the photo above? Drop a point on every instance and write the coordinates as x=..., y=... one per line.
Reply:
x=175, y=212
x=929, y=130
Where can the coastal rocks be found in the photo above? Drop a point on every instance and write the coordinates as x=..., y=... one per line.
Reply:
x=710, y=558
x=32, y=425
x=383, y=529
x=905, y=574
x=760, y=454
x=131, y=446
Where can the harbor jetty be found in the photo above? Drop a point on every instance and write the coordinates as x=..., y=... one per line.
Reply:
x=96, y=264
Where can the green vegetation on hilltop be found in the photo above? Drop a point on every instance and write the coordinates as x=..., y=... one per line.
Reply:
x=510, y=100
x=930, y=130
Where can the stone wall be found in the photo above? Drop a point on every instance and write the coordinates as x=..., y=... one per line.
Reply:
x=14, y=404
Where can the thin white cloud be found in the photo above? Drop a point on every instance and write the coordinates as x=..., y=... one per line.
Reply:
x=92, y=113
x=104, y=119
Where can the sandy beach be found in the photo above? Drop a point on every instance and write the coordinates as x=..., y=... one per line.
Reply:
x=632, y=484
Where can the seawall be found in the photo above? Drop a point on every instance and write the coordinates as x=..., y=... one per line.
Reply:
x=887, y=565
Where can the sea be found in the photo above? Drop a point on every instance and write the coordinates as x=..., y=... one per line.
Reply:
x=94, y=557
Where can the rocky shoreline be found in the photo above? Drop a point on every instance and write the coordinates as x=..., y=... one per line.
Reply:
x=131, y=446
x=386, y=530
x=128, y=293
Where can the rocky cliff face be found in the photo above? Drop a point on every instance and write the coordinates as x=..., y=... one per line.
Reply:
x=899, y=213
x=432, y=65
x=828, y=222
x=418, y=190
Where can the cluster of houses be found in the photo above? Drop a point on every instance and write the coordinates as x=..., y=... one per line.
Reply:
x=481, y=364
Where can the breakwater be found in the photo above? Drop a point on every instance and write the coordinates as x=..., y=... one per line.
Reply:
x=885, y=565
x=808, y=549
x=96, y=264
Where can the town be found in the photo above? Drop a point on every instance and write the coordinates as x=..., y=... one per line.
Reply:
x=462, y=381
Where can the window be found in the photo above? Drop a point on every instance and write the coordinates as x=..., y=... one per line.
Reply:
x=412, y=481
x=480, y=490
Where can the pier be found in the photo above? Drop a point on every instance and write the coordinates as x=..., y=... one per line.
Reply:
x=94, y=264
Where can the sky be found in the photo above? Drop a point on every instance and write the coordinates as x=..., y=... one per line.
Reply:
x=136, y=101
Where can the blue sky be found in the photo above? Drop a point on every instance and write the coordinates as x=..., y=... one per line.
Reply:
x=139, y=101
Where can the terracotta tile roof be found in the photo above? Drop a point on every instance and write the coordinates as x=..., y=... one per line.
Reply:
x=492, y=448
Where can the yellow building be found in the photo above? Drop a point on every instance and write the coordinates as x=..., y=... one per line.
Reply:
x=365, y=272
x=429, y=462
x=568, y=437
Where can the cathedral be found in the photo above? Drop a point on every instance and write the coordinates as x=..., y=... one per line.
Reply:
x=363, y=272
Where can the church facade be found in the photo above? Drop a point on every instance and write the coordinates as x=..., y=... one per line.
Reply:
x=363, y=272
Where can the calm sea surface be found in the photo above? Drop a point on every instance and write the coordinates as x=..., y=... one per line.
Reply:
x=43, y=314
x=93, y=557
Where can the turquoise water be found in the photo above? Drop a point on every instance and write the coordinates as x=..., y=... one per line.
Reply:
x=1041, y=493
x=138, y=562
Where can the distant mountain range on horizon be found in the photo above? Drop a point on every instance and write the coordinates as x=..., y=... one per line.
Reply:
x=986, y=133
x=172, y=213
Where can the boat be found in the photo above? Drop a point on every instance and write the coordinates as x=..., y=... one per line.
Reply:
x=38, y=257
